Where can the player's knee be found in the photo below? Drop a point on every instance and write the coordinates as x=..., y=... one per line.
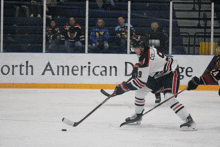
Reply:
x=170, y=102
x=141, y=93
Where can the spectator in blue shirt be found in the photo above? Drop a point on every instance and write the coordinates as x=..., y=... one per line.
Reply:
x=121, y=31
x=99, y=37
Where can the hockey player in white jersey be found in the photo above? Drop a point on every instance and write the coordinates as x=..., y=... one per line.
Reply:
x=166, y=74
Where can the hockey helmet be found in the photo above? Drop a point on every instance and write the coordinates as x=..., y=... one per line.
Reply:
x=137, y=41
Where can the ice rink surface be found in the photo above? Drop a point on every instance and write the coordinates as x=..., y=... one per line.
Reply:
x=32, y=118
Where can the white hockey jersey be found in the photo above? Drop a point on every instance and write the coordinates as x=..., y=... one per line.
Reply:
x=152, y=63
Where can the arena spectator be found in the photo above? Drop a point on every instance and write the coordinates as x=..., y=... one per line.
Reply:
x=121, y=32
x=53, y=9
x=21, y=7
x=36, y=8
x=73, y=36
x=158, y=38
x=99, y=37
x=53, y=37
x=106, y=4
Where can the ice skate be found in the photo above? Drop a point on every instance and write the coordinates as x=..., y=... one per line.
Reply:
x=158, y=99
x=135, y=118
x=189, y=125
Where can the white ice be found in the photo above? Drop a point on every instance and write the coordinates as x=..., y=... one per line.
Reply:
x=32, y=118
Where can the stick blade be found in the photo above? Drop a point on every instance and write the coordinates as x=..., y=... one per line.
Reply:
x=69, y=122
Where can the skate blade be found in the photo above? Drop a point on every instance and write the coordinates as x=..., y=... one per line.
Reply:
x=130, y=123
x=185, y=128
x=135, y=123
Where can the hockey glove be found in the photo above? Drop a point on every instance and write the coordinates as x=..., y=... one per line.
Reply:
x=121, y=88
x=194, y=83
x=135, y=71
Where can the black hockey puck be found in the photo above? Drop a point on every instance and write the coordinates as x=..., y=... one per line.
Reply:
x=219, y=92
x=63, y=129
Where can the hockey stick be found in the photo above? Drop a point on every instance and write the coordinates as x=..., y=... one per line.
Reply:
x=107, y=94
x=74, y=124
x=124, y=123
x=104, y=92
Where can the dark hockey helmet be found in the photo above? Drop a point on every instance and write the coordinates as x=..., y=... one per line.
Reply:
x=218, y=45
x=137, y=41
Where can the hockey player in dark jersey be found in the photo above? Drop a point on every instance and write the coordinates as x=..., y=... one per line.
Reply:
x=165, y=72
x=209, y=78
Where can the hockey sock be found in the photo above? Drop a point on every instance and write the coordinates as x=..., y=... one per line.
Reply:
x=139, y=105
x=177, y=107
x=139, y=99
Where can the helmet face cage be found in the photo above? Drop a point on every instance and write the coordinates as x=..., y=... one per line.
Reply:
x=136, y=42
x=133, y=47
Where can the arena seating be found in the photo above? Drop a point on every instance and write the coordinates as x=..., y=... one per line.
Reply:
x=23, y=47
x=217, y=8
x=26, y=33
x=24, y=39
x=116, y=13
x=120, y=6
x=23, y=29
